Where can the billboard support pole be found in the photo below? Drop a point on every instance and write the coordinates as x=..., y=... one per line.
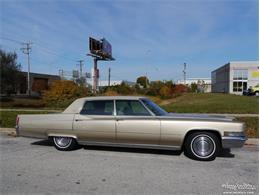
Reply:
x=95, y=77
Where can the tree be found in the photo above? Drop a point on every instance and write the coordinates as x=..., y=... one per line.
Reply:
x=194, y=87
x=143, y=81
x=62, y=93
x=10, y=72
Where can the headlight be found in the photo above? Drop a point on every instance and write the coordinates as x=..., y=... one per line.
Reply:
x=234, y=134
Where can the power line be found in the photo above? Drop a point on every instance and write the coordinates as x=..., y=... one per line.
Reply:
x=53, y=53
x=43, y=49
x=13, y=40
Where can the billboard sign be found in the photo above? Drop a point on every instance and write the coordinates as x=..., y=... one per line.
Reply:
x=94, y=46
x=100, y=48
x=106, y=48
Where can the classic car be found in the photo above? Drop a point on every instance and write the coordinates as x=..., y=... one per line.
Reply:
x=129, y=121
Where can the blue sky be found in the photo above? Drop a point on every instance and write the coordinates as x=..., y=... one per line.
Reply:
x=148, y=37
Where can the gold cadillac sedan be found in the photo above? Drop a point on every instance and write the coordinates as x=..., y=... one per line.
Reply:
x=129, y=121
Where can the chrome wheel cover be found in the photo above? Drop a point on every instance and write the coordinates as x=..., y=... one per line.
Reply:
x=62, y=142
x=203, y=146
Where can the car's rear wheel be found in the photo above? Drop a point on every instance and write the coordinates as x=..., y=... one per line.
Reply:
x=64, y=143
x=203, y=146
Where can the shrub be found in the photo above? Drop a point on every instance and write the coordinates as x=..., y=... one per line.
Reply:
x=62, y=93
x=165, y=92
x=110, y=92
x=154, y=88
x=122, y=89
x=177, y=89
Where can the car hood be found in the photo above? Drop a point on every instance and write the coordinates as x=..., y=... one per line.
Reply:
x=206, y=117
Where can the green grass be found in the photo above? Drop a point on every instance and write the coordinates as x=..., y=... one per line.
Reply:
x=22, y=103
x=8, y=118
x=213, y=103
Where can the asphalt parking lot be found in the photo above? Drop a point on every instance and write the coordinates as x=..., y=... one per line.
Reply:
x=30, y=166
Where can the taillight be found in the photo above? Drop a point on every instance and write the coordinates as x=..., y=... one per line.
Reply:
x=17, y=120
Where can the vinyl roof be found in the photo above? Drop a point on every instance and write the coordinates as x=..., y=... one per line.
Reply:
x=77, y=105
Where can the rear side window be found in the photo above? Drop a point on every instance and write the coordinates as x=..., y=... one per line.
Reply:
x=130, y=108
x=99, y=107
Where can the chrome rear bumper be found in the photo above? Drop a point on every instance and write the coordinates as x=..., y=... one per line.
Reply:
x=17, y=130
x=233, y=141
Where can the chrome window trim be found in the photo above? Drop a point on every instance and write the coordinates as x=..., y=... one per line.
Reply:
x=113, y=114
x=146, y=107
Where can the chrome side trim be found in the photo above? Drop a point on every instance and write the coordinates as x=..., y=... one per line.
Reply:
x=129, y=145
x=61, y=135
x=233, y=141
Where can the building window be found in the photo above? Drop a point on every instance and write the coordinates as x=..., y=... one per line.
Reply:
x=237, y=86
x=240, y=77
x=240, y=74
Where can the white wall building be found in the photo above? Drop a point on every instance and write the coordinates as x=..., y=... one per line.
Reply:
x=235, y=77
x=104, y=83
x=204, y=84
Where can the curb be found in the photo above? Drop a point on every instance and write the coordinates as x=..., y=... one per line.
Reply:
x=12, y=132
x=252, y=141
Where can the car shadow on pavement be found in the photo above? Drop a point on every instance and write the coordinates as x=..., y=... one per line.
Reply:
x=114, y=149
x=226, y=153
x=43, y=143
x=133, y=150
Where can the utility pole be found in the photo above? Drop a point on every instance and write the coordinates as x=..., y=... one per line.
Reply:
x=80, y=71
x=80, y=67
x=184, y=73
x=26, y=50
x=109, y=75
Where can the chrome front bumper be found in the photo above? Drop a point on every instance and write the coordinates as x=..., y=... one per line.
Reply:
x=233, y=141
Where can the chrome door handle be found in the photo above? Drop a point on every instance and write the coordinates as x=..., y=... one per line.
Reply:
x=78, y=120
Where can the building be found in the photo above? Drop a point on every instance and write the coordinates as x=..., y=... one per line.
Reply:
x=104, y=83
x=38, y=83
x=235, y=77
x=204, y=84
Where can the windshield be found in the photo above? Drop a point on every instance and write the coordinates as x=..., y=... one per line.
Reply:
x=157, y=110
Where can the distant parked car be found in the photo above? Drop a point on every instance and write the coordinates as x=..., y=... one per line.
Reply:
x=252, y=91
x=133, y=122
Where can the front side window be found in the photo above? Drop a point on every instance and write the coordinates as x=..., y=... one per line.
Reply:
x=130, y=108
x=98, y=107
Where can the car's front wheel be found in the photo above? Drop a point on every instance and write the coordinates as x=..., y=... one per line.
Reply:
x=202, y=146
x=64, y=143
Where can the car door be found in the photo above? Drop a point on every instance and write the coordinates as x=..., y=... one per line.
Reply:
x=135, y=124
x=96, y=121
